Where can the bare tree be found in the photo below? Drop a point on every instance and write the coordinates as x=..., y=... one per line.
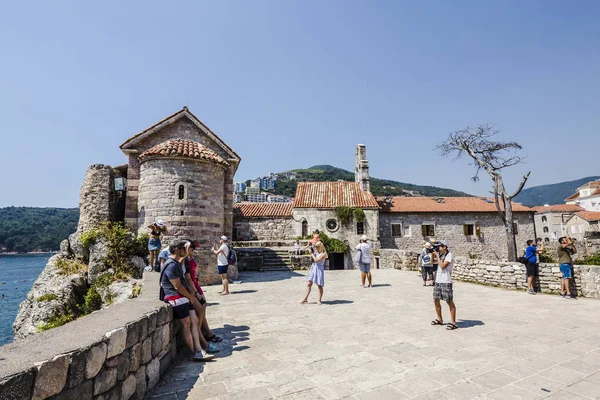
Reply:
x=492, y=157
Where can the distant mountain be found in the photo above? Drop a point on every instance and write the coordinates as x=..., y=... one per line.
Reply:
x=555, y=193
x=379, y=187
x=26, y=229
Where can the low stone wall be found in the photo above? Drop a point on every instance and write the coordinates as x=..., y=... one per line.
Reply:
x=509, y=275
x=271, y=228
x=116, y=353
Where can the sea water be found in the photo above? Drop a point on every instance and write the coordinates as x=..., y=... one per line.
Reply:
x=17, y=274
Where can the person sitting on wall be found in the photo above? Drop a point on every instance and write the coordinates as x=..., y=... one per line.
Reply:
x=156, y=229
x=190, y=275
x=177, y=293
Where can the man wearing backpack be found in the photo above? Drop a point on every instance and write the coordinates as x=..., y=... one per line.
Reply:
x=175, y=291
x=223, y=262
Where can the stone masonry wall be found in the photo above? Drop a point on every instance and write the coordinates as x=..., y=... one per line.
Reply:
x=272, y=228
x=119, y=353
x=97, y=197
x=490, y=245
x=509, y=275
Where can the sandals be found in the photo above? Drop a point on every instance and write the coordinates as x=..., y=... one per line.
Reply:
x=437, y=322
x=214, y=339
x=451, y=327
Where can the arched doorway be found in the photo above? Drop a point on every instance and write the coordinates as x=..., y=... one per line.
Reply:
x=304, y=228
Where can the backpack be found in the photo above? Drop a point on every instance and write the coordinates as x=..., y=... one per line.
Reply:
x=231, y=256
x=161, y=292
x=426, y=259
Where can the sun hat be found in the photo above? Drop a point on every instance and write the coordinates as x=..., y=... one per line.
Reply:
x=160, y=223
x=224, y=238
x=427, y=245
x=364, y=238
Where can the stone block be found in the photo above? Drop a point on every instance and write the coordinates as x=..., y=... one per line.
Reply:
x=133, y=334
x=123, y=365
x=165, y=362
x=152, y=373
x=51, y=377
x=105, y=381
x=163, y=315
x=140, y=382
x=143, y=328
x=17, y=387
x=116, y=342
x=95, y=359
x=84, y=391
x=77, y=368
x=111, y=362
x=135, y=357
x=493, y=268
x=128, y=387
x=147, y=350
x=152, y=319
x=157, y=341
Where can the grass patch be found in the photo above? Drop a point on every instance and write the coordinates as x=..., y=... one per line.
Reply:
x=70, y=267
x=56, y=322
x=47, y=297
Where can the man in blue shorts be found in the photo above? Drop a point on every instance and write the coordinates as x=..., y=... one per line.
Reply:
x=566, y=248
x=177, y=293
x=223, y=263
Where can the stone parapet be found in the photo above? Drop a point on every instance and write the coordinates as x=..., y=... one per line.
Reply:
x=115, y=353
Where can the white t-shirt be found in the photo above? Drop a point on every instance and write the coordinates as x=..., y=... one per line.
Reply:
x=365, y=252
x=444, y=275
x=222, y=256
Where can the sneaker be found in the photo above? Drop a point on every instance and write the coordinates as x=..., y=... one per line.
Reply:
x=202, y=356
x=212, y=348
x=530, y=291
x=562, y=294
x=569, y=296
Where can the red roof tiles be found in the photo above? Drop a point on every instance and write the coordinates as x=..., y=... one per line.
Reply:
x=442, y=204
x=589, y=215
x=557, y=208
x=262, y=210
x=182, y=148
x=332, y=194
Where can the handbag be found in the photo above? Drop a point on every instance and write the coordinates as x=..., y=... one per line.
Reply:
x=523, y=260
x=358, y=256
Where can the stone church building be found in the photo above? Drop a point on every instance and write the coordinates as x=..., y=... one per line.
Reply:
x=181, y=172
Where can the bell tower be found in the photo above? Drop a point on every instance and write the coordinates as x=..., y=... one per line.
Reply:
x=361, y=171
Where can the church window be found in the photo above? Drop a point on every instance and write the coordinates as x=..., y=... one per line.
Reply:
x=546, y=229
x=304, y=228
x=181, y=192
x=396, y=230
x=428, y=230
x=544, y=219
x=360, y=228
x=332, y=225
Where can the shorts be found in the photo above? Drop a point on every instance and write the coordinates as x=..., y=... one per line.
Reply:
x=532, y=269
x=566, y=270
x=427, y=272
x=154, y=244
x=223, y=269
x=443, y=291
x=182, y=310
x=364, y=267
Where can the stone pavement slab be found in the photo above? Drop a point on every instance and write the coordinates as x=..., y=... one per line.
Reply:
x=377, y=343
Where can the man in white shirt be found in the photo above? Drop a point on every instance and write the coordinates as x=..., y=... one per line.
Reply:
x=442, y=290
x=223, y=263
x=364, y=260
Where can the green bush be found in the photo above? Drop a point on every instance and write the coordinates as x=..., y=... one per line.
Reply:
x=359, y=215
x=88, y=238
x=545, y=258
x=122, y=243
x=56, y=322
x=70, y=267
x=344, y=214
x=93, y=301
x=590, y=260
x=47, y=297
x=333, y=245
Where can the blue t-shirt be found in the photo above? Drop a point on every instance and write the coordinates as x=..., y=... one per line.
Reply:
x=530, y=254
x=172, y=270
x=164, y=254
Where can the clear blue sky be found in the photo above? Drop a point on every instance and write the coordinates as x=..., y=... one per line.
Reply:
x=291, y=84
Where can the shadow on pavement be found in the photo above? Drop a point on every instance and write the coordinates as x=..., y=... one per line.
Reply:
x=381, y=284
x=243, y=291
x=335, y=302
x=270, y=276
x=469, y=323
x=232, y=337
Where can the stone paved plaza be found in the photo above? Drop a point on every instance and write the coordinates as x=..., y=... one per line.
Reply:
x=377, y=343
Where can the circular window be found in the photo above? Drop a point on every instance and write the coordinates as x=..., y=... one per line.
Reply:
x=332, y=225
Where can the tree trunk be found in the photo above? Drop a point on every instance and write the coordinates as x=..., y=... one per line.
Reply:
x=507, y=219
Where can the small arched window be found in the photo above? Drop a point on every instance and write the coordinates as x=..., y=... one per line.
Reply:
x=181, y=192
x=546, y=229
x=546, y=240
x=544, y=219
x=304, y=228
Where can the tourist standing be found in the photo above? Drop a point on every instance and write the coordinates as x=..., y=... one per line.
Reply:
x=223, y=263
x=176, y=293
x=442, y=289
x=566, y=249
x=364, y=260
x=156, y=229
x=532, y=267
x=426, y=261
x=316, y=274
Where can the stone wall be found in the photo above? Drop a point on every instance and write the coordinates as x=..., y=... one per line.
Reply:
x=97, y=197
x=509, y=275
x=271, y=228
x=117, y=353
x=490, y=244
x=317, y=219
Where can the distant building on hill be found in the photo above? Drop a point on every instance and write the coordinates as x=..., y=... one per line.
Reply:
x=239, y=187
x=551, y=220
x=587, y=196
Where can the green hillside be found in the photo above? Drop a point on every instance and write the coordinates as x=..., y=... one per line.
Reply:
x=551, y=194
x=379, y=187
x=25, y=229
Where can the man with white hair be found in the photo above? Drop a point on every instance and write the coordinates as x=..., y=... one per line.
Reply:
x=363, y=258
x=223, y=262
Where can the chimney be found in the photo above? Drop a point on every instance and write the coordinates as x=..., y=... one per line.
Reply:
x=361, y=172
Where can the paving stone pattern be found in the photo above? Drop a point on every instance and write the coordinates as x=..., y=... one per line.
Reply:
x=377, y=343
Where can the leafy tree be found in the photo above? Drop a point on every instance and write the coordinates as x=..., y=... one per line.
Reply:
x=492, y=157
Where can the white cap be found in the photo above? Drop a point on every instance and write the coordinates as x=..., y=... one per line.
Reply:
x=364, y=238
x=160, y=223
x=224, y=238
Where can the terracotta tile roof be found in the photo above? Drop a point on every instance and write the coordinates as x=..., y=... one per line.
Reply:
x=442, y=204
x=572, y=197
x=250, y=210
x=557, y=208
x=332, y=194
x=182, y=148
x=592, y=184
x=589, y=215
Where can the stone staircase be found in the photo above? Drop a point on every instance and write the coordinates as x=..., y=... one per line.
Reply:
x=276, y=260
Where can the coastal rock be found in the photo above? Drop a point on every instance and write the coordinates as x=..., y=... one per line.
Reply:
x=139, y=265
x=66, y=291
x=76, y=248
x=119, y=291
x=96, y=265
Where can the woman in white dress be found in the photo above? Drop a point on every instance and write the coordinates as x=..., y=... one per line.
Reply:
x=317, y=271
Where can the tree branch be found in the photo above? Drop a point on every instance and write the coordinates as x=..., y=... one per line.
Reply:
x=520, y=186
